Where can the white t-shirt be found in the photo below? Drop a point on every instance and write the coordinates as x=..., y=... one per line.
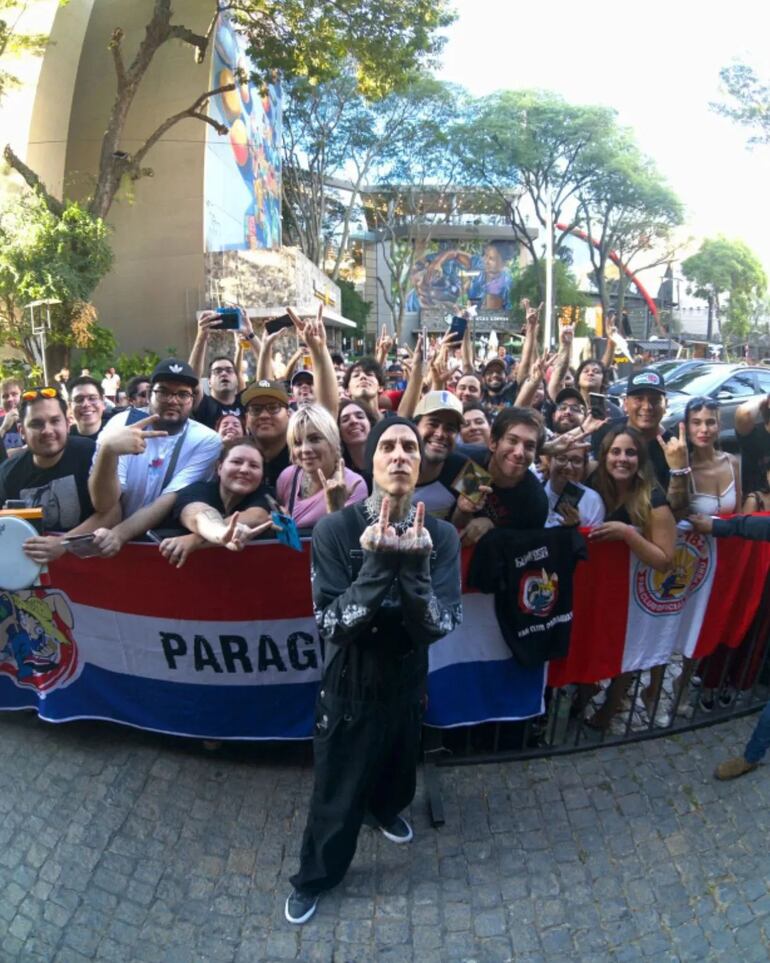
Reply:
x=141, y=476
x=110, y=385
x=590, y=507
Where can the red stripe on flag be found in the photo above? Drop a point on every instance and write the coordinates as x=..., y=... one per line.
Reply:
x=742, y=568
x=600, y=613
x=267, y=581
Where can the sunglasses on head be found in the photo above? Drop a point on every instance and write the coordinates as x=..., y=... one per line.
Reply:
x=695, y=404
x=33, y=393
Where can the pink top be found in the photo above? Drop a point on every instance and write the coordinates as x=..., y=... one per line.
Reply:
x=307, y=511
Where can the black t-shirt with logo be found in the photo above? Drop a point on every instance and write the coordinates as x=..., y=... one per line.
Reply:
x=494, y=402
x=530, y=573
x=61, y=491
x=209, y=411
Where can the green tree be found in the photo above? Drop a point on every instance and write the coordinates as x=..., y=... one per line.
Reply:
x=727, y=269
x=531, y=281
x=14, y=43
x=336, y=140
x=48, y=257
x=353, y=306
x=536, y=152
x=749, y=103
x=629, y=211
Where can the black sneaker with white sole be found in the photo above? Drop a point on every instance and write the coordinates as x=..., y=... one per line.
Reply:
x=399, y=831
x=300, y=906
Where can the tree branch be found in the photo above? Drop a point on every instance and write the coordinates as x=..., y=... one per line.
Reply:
x=194, y=39
x=191, y=111
x=55, y=206
x=117, y=57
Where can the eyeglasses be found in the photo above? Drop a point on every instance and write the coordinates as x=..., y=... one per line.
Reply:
x=272, y=408
x=39, y=393
x=575, y=409
x=577, y=461
x=163, y=394
x=228, y=369
x=85, y=400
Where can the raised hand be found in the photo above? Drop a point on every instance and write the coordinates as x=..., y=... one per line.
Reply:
x=416, y=540
x=335, y=490
x=611, y=532
x=567, y=335
x=237, y=535
x=468, y=507
x=381, y=536
x=11, y=418
x=206, y=322
x=675, y=449
x=570, y=516
x=131, y=439
x=592, y=424
x=531, y=315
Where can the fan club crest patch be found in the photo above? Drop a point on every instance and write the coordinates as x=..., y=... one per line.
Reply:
x=37, y=648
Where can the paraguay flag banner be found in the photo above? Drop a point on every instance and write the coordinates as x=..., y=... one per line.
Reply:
x=226, y=647
x=627, y=616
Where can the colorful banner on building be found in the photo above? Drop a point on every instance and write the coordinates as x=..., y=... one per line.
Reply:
x=243, y=166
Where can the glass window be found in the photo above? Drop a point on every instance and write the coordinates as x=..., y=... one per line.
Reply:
x=740, y=385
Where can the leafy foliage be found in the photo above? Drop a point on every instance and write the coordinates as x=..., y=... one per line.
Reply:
x=354, y=306
x=45, y=257
x=531, y=282
x=723, y=267
x=386, y=40
x=750, y=104
x=14, y=44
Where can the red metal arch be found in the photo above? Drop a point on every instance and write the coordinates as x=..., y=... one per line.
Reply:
x=649, y=301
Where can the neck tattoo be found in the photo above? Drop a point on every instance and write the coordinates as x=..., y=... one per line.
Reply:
x=373, y=506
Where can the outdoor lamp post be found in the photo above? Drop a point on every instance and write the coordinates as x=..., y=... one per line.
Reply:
x=40, y=328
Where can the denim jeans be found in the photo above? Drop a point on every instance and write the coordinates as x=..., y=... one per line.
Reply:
x=759, y=742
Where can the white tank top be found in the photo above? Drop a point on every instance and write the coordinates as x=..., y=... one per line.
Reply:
x=704, y=504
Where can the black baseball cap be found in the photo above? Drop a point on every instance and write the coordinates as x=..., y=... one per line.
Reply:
x=174, y=370
x=569, y=394
x=646, y=379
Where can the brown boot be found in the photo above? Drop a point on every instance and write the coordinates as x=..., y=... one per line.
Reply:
x=732, y=768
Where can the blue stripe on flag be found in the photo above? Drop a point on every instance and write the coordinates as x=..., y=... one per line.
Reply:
x=178, y=708
x=469, y=692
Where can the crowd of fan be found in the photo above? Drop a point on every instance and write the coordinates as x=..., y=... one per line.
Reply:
x=514, y=443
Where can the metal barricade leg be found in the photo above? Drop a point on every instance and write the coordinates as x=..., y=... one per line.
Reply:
x=432, y=747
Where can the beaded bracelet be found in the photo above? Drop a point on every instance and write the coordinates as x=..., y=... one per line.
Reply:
x=679, y=472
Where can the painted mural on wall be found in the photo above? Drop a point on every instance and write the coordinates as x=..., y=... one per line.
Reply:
x=243, y=167
x=451, y=275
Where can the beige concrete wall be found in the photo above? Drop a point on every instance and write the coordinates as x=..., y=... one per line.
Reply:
x=158, y=233
x=50, y=116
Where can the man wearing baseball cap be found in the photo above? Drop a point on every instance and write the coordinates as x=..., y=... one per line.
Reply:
x=267, y=421
x=497, y=392
x=142, y=461
x=302, y=388
x=645, y=406
x=439, y=417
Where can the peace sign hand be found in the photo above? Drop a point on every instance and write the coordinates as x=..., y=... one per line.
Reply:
x=335, y=490
x=131, y=439
x=675, y=449
x=237, y=535
x=381, y=536
x=416, y=540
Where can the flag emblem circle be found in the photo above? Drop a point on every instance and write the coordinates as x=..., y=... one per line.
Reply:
x=665, y=593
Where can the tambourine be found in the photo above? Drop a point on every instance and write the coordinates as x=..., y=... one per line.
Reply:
x=17, y=571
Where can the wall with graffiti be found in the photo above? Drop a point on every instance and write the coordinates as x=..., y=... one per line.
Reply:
x=453, y=274
x=243, y=167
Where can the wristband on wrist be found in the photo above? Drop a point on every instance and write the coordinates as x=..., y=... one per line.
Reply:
x=679, y=472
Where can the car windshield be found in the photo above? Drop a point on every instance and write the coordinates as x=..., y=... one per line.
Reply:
x=701, y=380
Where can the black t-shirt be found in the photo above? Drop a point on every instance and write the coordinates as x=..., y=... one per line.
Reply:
x=61, y=491
x=656, y=454
x=755, y=448
x=620, y=514
x=275, y=466
x=208, y=493
x=521, y=507
x=209, y=411
x=493, y=402
x=531, y=575
x=105, y=418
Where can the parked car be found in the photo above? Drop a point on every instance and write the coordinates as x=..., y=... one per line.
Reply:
x=667, y=368
x=728, y=384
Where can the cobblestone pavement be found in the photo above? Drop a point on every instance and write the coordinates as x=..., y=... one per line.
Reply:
x=118, y=845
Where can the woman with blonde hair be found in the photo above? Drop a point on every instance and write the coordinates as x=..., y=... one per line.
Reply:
x=317, y=482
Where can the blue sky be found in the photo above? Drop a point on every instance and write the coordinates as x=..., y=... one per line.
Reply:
x=658, y=65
